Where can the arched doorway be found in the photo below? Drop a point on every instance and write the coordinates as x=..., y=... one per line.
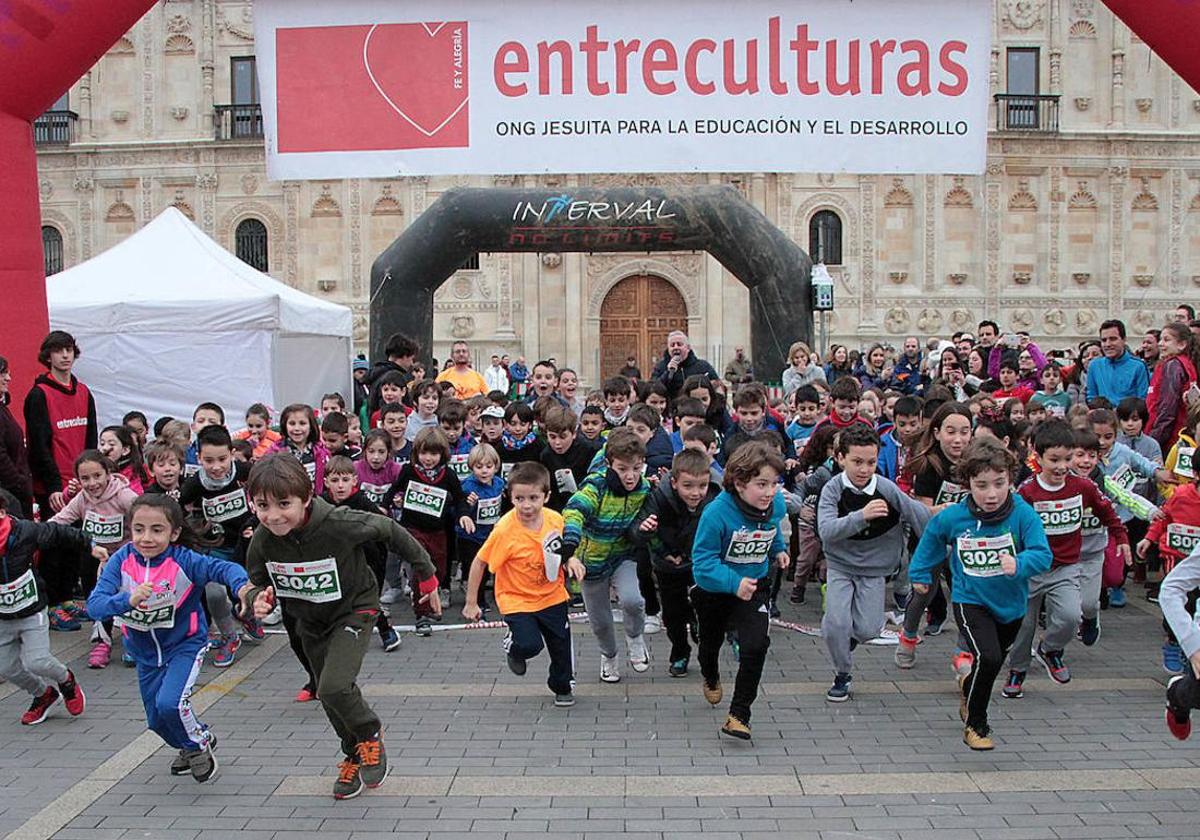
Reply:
x=637, y=315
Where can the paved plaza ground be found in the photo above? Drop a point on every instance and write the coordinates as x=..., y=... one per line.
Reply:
x=477, y=751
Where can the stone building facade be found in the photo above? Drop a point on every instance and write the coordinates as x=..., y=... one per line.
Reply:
x=1090, y=204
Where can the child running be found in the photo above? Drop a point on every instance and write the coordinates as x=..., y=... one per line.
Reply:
x=310, y=554
x=25, y=657
x=524, y=553
x=737, y=538
x=1177, y=601
x=485, y=496
x=153, y=587
x=860, y=519
x=996, y=544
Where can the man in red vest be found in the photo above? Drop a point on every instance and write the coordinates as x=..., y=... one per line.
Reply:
x=60, y=423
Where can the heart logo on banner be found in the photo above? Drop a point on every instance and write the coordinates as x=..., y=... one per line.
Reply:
x=420, y=70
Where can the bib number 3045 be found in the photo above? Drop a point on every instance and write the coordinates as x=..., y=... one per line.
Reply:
x=316, y=582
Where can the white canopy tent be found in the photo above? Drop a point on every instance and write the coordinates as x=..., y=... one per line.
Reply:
x=168, y=318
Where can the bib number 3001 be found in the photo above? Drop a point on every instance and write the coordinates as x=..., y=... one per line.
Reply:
x=316, y=582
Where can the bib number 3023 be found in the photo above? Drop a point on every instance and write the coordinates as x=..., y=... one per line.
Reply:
x=316, y=582
x=980, y=556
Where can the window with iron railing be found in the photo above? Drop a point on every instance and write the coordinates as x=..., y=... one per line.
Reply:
x=825, y=238
x=52, y=249
x=250, y=243
x=1022, y=107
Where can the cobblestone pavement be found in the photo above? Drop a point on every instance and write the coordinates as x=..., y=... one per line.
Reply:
x=476, y=750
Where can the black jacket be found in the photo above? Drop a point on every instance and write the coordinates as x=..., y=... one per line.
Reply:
x=692, y=366
x=576, y=460
x=676, y=526
x=16, y=556
x=14, y=462
x=375, y=374
x=375, y=553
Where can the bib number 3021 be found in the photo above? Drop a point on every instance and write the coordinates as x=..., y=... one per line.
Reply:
x=316, y=582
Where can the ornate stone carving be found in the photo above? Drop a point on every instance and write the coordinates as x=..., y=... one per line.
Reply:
x=1022, y=199
x=1055, y=320
x=249, y=183
x=1083, y=9
x=898, y=195
x=1083, y=199
x=1145, y=200
x=959, y=196
x=45, y=189
x=362, y=326
x=119, y=116
x=179, y=45
x=961, y=318
x=1085, y=320
x=1196, y=105
x=84, y=185
x=179, y=112
x=505, y=180
x=898, y=277
x=929, y=321
x=119, y=210
x=326, y=207
x=1144, y=104
x=1145, y=281
x=1082, y=103
x=1022, y=14
x=180, y=203
x=552, y=260
x=606, y=270
x=178, y=23
x=1021, y=319
x=124, y=46
x=460, y=286
x=1144, y=320
x=956, y=279
x=1195, y=205
x=896, y=320
x=1082, y=278
x=242, y=29
x=828, y=201
x=356, y=249
x=1022, y=278
x=1082, y=29
x=462, y=326
x=386, y=204
x=207, y=181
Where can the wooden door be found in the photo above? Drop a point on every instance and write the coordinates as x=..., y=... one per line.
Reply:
x=635, y=319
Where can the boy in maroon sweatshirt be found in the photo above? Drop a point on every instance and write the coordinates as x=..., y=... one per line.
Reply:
x=1059, y=498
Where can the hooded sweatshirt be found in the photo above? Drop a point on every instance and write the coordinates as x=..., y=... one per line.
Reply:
x=976, y=541
x=735, y=541
x=60, y=423
x=320, y=568
x=22, y=591
x=597, y=520
x=852, y=544
x=103, y=518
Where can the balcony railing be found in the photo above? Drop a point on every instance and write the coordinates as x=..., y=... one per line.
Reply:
x=1025, y=112
x=55, y=128
x=239, y=122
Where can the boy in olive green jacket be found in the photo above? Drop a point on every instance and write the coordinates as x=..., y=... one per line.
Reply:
x=310, y=554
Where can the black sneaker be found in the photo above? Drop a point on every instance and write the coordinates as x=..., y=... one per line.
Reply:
x=797, y=596
x=773, y=609
x=372, y=761
x=1089, y=631
x=839, y=692
x=1014, y=688
x=678, y=668
x=576, y=601
x=181, y=766
x=516, y=664
x=424, y=627
x=202, y=763
x=564, y=701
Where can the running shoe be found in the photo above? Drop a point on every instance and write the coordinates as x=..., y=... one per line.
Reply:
x=41, y=706
x=1014, y=688
x=100, y=655
x=1179, y=720
x=349, y=783
x=63, y=621
x=1052, y=660
x=72, y=695
x=372, y=761
x=1089, y=631
x=226, y=652
x=839, y=692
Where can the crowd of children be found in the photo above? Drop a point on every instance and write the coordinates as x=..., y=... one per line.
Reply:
x=1007, y=514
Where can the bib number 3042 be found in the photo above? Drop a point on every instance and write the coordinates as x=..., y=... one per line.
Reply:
x=316, y=582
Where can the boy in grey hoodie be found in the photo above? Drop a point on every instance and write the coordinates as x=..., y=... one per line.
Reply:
x=859, y=519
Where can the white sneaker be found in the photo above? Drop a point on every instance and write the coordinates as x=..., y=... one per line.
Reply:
x=275, y=616
x=610, y=669
x=653, y=624
x=388, y=595
x=639, y=656
x=445, y=596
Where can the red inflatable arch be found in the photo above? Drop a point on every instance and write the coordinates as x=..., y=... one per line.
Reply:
x=46, y=45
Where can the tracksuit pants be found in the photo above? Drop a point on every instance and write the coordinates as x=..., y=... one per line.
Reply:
x=166, y=694
x=548, y=628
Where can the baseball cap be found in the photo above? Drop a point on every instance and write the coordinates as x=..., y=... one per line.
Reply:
x=493, y=411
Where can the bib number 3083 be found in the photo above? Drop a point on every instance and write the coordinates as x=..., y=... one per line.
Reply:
x=316, y=582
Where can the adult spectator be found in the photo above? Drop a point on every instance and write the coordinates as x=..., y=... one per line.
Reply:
x=1118, y=374
x=60, y=421
x=1179, y=359
x=1185, y=313
x=678, y=363
x=631, y=371
x=906, y=374
x=872, y=370
x=400, y=352
x=14, y=463
x=837, y=364
x=965, y=343
x=1148, y=352
x=989, y=334
x=739, y=366
x=800, y=370
x=1021, y=343
x=496, y=377
x=518, y=371
x=466, y=380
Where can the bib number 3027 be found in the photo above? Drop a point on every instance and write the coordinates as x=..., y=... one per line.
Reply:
x=316, y=582
x=749, y=547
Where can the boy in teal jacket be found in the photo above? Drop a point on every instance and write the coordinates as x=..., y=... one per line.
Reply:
x=996, y=542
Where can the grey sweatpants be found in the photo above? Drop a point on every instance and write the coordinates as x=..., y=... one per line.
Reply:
x=599, y=610
x=1091, y=571
x=219, y=608
x=853, y=610
x=25, y=658
x=1059, y=588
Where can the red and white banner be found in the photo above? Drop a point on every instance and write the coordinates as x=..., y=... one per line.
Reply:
x=369, y=88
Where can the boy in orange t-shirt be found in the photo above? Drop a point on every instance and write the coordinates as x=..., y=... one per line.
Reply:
x=524, y=553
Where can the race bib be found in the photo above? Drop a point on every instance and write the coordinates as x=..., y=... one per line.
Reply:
x=747, y=547
x=157, y=613
x=980, y=556
x=1125, y=477
x=374, y=492
x=1182, y=538
x=104, y=528
x=316, y=582
x=1055, y=410
x=1061, y=516
x=552, y=554
x=950, y=493
x=488, y=511
x=310, y=467
x=1183, y=461
x=1091, y=523
x=565, y=481
x=227, y=506
x=424, y=498
x=18, y=595
x=458, y=464
x=190, y=470
x=505, y=469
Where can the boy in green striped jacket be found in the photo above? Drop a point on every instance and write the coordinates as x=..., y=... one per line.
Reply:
x=597, y=517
